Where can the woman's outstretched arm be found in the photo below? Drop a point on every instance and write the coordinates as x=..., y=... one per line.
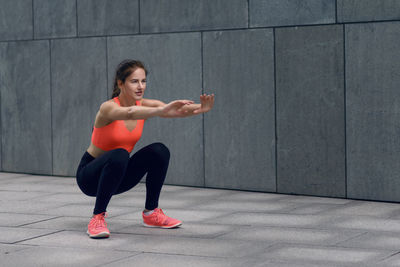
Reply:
x=189, y=109
x=112, y=111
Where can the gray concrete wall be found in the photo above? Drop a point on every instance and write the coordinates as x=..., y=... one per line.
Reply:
x=307, y=92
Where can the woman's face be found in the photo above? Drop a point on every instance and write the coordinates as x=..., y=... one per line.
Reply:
x=135, y=84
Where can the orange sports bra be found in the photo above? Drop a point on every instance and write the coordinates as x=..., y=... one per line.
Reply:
x=116, y=135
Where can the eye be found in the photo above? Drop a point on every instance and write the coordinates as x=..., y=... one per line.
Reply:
x=134, y=81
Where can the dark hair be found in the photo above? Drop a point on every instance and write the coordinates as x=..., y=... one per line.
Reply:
x=124, y=69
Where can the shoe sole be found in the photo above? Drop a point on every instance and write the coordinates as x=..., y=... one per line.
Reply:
x=164, y=227
x=99, y=235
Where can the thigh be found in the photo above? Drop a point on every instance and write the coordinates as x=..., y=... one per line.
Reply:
x=138, y=166
x=88, y=176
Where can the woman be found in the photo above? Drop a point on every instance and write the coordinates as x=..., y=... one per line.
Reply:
x=106, y=168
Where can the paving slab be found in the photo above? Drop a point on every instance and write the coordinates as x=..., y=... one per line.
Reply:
x=9, y=176
x=325, y=254
x=366, y=223
x=86, y=210
x=13, y=220
x=373, y=240
x=154, y=260
x=39, y=187
x=315, y=208
x=290, y=235
x=16, y=195
x=80, y=224
x=66, y=198
x=26, y=206
x=259, y=206
x=220, y=228
x=368, y=208
x=185, y=215
x=158, y=244
x=313, y=199
x=250, y=196
x=391, y=261
x=16, y=234
x=193, y=230
x=53, y=256
x=9, y=248
x=265, y=219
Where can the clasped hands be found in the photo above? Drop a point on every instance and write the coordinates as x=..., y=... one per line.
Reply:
x=184, y=108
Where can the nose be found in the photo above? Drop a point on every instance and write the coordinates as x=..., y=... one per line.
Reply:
x=140, y=85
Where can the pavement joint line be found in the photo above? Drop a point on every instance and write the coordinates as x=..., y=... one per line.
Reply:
x=394, y=254
x=120, y=259
x=354, y=237
x=332, y=246
x=25, y=224
x=14, y=243
x=194, y=236
x=176, y=254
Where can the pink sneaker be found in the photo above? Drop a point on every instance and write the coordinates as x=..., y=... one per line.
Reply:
x=159, y=219
x=97, y=227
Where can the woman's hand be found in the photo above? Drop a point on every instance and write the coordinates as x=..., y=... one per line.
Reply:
x=207, y=102
x=174, y=109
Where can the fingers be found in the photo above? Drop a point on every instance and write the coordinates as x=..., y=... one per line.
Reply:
x=207, y=100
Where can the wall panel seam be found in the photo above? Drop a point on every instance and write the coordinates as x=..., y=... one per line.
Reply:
x=345, y=111
x=140, y=11
x=51, y=110
x=202, y=91
x=248, y=13
x=33, y=21
x=275, y=114
x=76, y=18
x=336, y=20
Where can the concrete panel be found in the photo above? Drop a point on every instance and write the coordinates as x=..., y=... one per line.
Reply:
x=183, y=15
x=155, y=244
x=79, y=86
x=373, y=110
x=290, y=235
x=240, y=131
x=325, y=255
x=61, y=256
x=25, y=103
x=54, y=18
x=154, y=259
x=367, y=10
x=10, y=235
x=310, y=111
x=16, y=20
x=267, y=13
x=174, y=63
x=103, y=17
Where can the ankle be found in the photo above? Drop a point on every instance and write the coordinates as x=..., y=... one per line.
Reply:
x=147, y=212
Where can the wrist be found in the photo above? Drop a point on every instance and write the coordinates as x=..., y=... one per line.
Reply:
x=159, y=111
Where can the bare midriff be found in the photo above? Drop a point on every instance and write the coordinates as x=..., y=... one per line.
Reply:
x=94, y=151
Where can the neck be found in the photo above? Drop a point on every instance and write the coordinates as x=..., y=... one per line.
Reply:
x=126, y=101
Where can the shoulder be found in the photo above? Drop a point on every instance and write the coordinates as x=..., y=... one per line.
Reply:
x=152, y=103
x=107, y=106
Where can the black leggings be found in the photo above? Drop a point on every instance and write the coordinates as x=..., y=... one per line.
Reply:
x=115, y=172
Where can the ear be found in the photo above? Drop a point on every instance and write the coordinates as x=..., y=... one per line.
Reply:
x=119, y=82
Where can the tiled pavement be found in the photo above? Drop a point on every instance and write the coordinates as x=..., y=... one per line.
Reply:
x=43, y=221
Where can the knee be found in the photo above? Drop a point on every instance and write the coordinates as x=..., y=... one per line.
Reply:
x=161, y=151
x=119, y=157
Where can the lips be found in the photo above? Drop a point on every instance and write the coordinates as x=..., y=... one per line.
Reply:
x=138, y=93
